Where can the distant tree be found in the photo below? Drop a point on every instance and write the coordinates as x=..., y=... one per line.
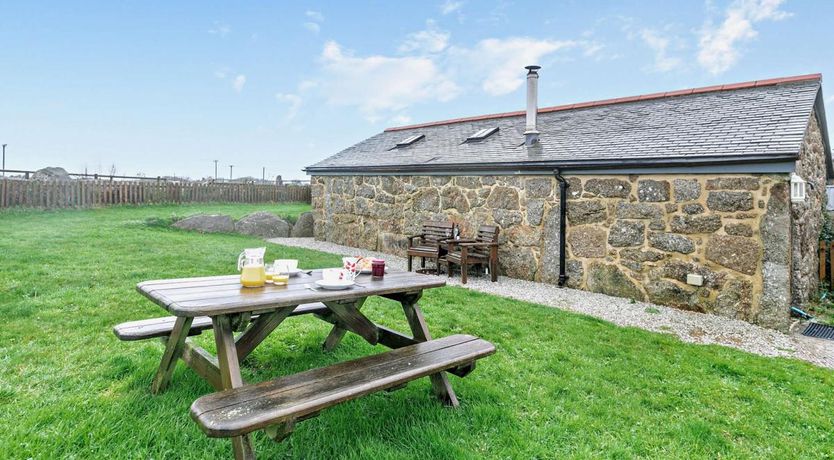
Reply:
x=113, y=169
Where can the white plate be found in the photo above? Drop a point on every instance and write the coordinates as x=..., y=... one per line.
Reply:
x=294, y=272
x=334, y=285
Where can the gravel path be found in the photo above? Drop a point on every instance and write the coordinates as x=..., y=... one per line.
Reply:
x=688, y=326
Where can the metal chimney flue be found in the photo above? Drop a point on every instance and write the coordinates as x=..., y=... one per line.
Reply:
x=531, y=132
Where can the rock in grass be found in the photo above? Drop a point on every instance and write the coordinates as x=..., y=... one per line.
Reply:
x=303, y=227
x=263, y=224
x=207, y=223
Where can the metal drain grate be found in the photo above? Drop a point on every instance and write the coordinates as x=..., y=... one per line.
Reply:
x=822, y=331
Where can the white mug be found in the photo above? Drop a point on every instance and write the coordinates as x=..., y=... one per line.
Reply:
x=333, y=274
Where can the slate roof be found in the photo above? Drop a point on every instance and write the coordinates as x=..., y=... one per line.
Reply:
x=758, y=121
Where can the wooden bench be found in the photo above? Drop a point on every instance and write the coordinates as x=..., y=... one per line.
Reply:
x=162, y=327
x=481, y=250
x=276, y=405
x=426, y=245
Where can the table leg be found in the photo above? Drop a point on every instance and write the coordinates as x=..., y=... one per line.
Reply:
x=230, y=375
x=351, y=319
x=173, y=350
x=334, y=338
x=259, y=330
x=440, y=381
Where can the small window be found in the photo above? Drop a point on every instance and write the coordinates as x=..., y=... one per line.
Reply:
x=410, y=140
x=482, y=134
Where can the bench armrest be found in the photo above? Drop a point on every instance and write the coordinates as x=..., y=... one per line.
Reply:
x=412, y=237
x=476, y=244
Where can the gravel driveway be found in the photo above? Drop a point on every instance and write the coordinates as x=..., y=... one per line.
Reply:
x=688, y=326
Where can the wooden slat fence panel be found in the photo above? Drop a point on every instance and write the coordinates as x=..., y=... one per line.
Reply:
x=827, y=264
x=102, y=192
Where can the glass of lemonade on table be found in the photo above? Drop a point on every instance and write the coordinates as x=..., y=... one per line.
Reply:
x=251, y=266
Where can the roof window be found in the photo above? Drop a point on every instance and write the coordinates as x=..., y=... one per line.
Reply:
x=482, y=134
x=409, y=140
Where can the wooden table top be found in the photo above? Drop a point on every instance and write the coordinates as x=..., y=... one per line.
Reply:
x=218, y=295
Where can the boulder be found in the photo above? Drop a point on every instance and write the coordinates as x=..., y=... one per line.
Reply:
x=638, y=255
x=676, y=269
x=730, y=201
x=503, y=198
x=535, y=211
x=586, y=212
x=587, y=241
x=453, y=198
x=695, y=224
x=610, y=280
x=693, y=208
x=735, y=252
x=734, y=300
x=687, y=189
x=426, y=200
x=627, y=233
x=540, y=187
x=608, y=188
x=733, y=183
x=653, y=190
x=207, y=223
x=671, y=242
x=303, y=227
x=739, y=229
x=51, y=173
x=263, y=224
x=670, y=294
x=639, y=211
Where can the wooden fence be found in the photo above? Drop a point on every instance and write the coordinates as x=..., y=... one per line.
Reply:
x=827, y=263
x=89, y=193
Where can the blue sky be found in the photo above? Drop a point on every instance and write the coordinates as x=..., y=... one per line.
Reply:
x=167, y=87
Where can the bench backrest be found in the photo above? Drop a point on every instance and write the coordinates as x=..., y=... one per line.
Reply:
x=486, y=234
x=435, y=232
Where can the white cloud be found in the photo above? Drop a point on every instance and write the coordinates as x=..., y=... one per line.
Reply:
x=314, y=15
x=239, y=82
x=499, y=63
x=293, y=102
x=431, y=40
x=718, y=46
x=660, y=45
x=220, y=29
x=315, y=18
x=380, y=84
x=450, y=6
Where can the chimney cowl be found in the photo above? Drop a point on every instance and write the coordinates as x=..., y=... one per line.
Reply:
x=531, y=132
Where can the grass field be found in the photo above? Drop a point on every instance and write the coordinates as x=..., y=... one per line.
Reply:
x=561, y=385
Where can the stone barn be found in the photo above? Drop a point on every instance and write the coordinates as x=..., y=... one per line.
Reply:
x=726, y=182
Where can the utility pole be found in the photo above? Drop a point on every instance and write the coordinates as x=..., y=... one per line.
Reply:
x=230, y=172
x=263, y=175
x=215, y=170
x=4, y=159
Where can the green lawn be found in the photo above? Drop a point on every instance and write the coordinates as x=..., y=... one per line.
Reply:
x=560, y=385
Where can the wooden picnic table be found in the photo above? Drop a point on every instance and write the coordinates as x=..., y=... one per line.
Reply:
x=258, y=311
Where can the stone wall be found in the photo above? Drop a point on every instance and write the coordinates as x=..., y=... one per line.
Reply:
x=807, y=217
x=629, y=236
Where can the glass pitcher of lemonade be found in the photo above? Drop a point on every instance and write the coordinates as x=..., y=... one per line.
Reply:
x=251, y=266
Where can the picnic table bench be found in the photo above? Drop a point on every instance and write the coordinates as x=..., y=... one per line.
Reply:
x=221, y=304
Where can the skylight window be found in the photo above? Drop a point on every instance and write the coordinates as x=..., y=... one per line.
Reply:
x=410, y=140
x=482, y=134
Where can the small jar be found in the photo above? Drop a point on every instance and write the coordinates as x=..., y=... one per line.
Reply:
x=377, y=269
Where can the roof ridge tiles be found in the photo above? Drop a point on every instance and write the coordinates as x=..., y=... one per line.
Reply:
x=621, y=100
